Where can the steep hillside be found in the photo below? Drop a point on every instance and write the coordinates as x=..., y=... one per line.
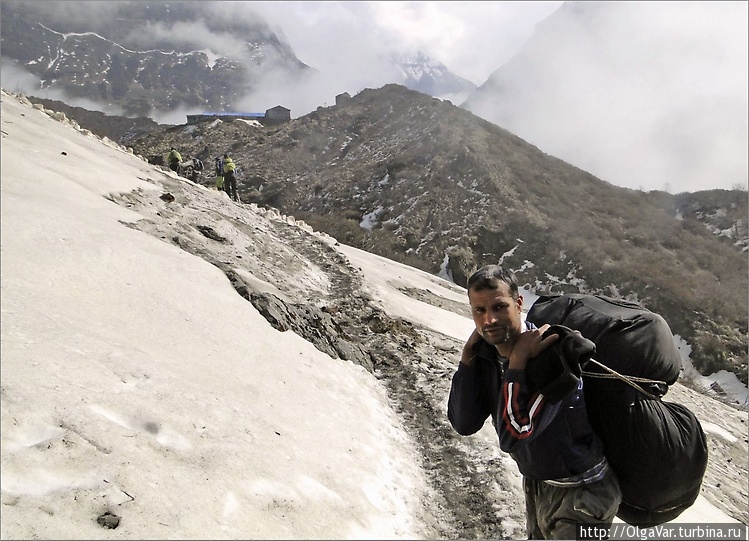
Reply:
x=140, y=56
x=427, y=183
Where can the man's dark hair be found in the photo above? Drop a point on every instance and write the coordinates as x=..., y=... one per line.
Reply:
x=490, y=277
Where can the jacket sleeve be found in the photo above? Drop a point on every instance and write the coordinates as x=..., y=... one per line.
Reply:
x=468, y=406
x=525, y=413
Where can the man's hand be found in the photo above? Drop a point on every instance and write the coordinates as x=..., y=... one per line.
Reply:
x=468, y=349
x=528, y=345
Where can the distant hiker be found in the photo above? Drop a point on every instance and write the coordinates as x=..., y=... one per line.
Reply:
x=230, y=178
x=197, y=169
x=174, y=159
x=218, y=169
x=198, y=164
x=566, y=477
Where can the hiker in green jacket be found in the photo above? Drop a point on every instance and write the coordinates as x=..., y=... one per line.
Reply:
x=230, y=179
x=174, y=159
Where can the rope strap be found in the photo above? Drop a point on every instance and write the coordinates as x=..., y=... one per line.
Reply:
x=629, y=380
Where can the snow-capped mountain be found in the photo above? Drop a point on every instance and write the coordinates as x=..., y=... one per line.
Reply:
x=137, y=57
x=156, y=58
x=431, y=77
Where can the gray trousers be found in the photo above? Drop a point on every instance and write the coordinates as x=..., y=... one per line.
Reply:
x=554, y=512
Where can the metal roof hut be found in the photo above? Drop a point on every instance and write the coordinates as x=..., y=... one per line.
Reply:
x=277, y=115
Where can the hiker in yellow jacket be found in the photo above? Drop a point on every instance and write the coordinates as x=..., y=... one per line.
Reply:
x=174, y=159
x=230, y=179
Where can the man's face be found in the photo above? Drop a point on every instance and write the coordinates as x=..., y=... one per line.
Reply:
x=496, y=314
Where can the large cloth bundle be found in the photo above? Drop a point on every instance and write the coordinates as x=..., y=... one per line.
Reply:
x=657, y=449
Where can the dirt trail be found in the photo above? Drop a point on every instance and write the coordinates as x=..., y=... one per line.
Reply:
x=471, y=492
x=476, y=492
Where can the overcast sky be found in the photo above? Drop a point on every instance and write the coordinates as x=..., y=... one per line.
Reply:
x=645, y=95
x=471, y=38
x=349, y=43
x=651, y=97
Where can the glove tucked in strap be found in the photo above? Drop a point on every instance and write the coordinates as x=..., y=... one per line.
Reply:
x=556, y=371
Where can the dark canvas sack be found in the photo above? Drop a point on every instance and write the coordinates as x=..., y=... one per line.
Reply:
x=657, y=449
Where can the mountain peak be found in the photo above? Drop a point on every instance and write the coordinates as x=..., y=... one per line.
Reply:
x=425, y=74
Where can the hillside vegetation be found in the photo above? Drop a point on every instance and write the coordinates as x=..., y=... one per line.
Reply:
x=427, y=183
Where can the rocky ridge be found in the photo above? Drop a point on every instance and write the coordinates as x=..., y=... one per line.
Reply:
x=421, y=181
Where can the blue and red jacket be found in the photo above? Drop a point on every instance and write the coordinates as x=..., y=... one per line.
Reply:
x=547, y=441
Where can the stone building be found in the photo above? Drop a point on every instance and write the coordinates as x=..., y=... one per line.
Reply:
x=275, y=115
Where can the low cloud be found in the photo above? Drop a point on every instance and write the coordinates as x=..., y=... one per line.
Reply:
x=17, y=79
x=646, y=95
